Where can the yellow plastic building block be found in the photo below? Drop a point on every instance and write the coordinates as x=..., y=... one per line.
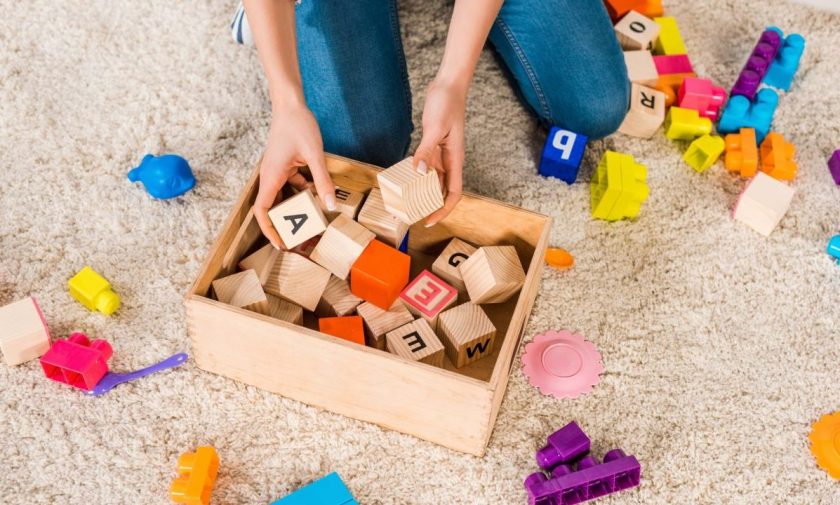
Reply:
x=825, y=443
x=686, y=124
x=618, y=187
x=670, y=41
x=704, y=152
x=93, y=291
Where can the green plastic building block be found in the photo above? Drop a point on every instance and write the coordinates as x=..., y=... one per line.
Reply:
x=686, y=124
x=704, y=152
x=618, y=187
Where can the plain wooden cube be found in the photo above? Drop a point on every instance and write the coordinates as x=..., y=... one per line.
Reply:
x=279, y=308
x=337, y=299
x=378, y=322
x=409, y=195
x=493, y=274
x=636, y=31
x=298, y=280
x=641, y=67
x=467, y=334
x=416, y=341
x=24, y=334
x=261, y=261
x=647, y=112
x=347, y=202
x=446, y=266
x=242, y=290
x=341, y=245
x=763, y=203
x=427, y=296
x=298, y=218
x=375, y=218
x=306, y=248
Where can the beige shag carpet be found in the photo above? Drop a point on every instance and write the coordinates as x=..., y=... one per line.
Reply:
x=720, y=345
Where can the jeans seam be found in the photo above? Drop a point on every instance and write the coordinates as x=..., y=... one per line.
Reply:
x=395, y=33
x=532, y=76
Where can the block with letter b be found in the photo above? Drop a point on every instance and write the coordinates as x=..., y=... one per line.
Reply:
x=416, y=341
x=298, y=219
x=467, y=334
x=446, y=265
x=427, y=296
x=562, y=154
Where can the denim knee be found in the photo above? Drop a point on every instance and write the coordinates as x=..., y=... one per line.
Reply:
x=383, y=142
x=595, y=112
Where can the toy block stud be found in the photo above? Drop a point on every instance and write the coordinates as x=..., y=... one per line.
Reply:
x=24, y=334
x=833, y=248
x=742, y=153
x=446, y=266
x=670, y=85
x=757, y=64
x=348, y=328
x=242, y=290
x=651, y=8
x=647, y=112
x=261, y=261
x=702, y=96
x=347, y=202
x=704, y=152
x=618, y=8
x=763, y=203
x=298, y=280
x=563, y=446
x=379, y=322
x=786, y=63
x=641, y=68
x=669, y=41
x=686, y=124
x=618, y=187
x=341, y=245
x=416, y=341
x=375, y=218
x=589, y=480
x=409, y=195
x=673, y=64
x=380, y=274
x=337, y=299
x=77, y=361
x=561, y=155
x=329, y=490
x=298, y=219
x=93, y=291
x=196, y=477
x=467, y=334
x=493, y=274
x=283, y=310
x=427, y=296
x=833, y=168
x=741, y=113
x=636, y=31
x=777, y=157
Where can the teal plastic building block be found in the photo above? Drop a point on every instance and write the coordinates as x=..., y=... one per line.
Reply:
x=618, y=187
x=704, y=152
x=740, y=113
x=328, y=490
x=784, y=66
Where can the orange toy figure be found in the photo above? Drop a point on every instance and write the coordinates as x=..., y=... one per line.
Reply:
x=196, y=477
x=777, y=158
x=559, y=258
x=348, y=328
x=742, y=152
x=380, y=274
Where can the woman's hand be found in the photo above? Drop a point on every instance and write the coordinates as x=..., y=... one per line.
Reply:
x=294, y=140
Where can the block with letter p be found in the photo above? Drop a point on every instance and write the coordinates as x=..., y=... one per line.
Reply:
x=427, y=296
x=298, y=219
x=562, y=154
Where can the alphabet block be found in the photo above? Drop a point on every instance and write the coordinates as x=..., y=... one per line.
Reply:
x=348, y=328
x=636, y=31
x=651, y=8
x=379, y=322
x=618, y=8
x=834, y=166
x=777, y=158
x=77, y=361
x=757, y=64
x=298, y=280
x=704, y=152
x=493, y=274
x=416, y=341
x=741, y=113
x=446, y=266
x=647, y=112
x=669, y=41
x=24, y=334
x=298, y=218
x=618, y=187
x=196, y=477
x=673, y=64
x=409, y=195
x=261, y=261
x=562, y=154
x=427, y=296
x=379, y=274
x=641, y=68
x=283, y=310
x=337, y=299
x=702, y=96
x=763, y=203
x=347, y=202
x=375, y=218
x=742, y=152
x=784, y=66
x=243, y=290
x=341, y=245
x=686, y=124
x=467, y=334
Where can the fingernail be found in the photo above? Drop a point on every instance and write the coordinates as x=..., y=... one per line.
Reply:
x=429, y=225
x=274, y=245
x=422, y=168
x=330, y=201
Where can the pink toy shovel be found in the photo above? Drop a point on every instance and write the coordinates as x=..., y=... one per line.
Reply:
x=112, y=380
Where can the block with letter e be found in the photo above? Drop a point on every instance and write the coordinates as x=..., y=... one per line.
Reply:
x=298, y=219
x=562, y=154
x=416, y=341
x=467, y=334
x=427, y=296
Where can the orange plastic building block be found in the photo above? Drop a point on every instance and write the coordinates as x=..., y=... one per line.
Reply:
x=650, y=8
x=196, y=477
x=380, y=274
x=670, y=85
x=742, y=152
x=559, y=258
x=618, y=8
x=825, y=443
x=350, y=328
x=777, y=157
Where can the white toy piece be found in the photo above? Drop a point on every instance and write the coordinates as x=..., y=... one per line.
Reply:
x=763, y=203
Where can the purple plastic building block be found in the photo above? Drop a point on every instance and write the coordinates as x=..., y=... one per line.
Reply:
x=741, y=113
x=834, y=166
x=757, y=64
x=786, y=62
x=588, y=481
x=564, y=445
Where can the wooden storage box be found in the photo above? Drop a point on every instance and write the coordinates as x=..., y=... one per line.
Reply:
x=453, y=408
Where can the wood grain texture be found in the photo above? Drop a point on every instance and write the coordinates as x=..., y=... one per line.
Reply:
x=347, y=202
x=375, y=218
x=243, y=290
x=493, y=274
x=467, y=333
x=641, y=68
x=246, y=237
x=647, y=112
x=416, y=341
x=298, y=218
x=636, y=31
x=337, y=299
x=446, y=265
x=298, y=280
x=409, y=195
x=261, y=261
x=24, y=334
x=378, y=322
x=341, y=245
x=279, y=308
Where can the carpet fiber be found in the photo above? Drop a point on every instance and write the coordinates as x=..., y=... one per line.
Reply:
x=720, y=345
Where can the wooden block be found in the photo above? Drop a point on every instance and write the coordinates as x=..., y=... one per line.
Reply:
x=243, y=290
x=427, y=296
x=378, y=322
x=647, y=112
x=24, y=334
x=305, y=249
x=493, y=274
x=261, y=262
x=375, y=218
x=409, y=195
x=349, y=328
x=416, y=341
x=763, y=203
x=298, y=219
x=380, y=274
x=636, y=31
x=279, y=308
x=641, y=68
x=446, y=265
x=347, y=202
x=298, y=280
x=670, y=40
x=467, y=334
x=337, y=299
x=341, y=245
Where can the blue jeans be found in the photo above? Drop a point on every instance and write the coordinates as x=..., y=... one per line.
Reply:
x=561, y=54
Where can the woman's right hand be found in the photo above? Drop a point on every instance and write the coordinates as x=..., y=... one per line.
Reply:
x=294, y=141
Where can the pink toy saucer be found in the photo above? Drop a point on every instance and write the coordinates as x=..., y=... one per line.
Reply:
x=562, y=364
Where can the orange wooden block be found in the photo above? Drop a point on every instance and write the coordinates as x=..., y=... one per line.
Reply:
x=650, y=8
x=670, y=85
x=349, y=328
x=380, y=274
x=742, y=152
x=777, y=157
x=196, y=477
x=618, y=8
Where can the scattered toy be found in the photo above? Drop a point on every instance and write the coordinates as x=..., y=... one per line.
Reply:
x=763, y=203
x=562, y=154
x=77, y=361
x=113, y=379
x=328, y=490
x=686, y=124
x=647, y=112
x=559, y=258
x=741, y=113
x=24, y=334
x=562, y=364
x=777, y=157
x=757, y=64
x=563, y=446
x=165, y=176
x=618, y=188
x=196, y=477
x=834, y=248
x=409, y=195
x=786, y=63
x=834, y=166
x=704, y=152
x=93, y=291
x=669, y=41
x=742, y=153
x=702, y=96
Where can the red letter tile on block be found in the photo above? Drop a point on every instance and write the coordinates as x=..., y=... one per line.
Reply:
x=427, y=296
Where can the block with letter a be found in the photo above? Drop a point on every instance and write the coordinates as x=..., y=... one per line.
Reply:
x=297, y=219
x=427, y=296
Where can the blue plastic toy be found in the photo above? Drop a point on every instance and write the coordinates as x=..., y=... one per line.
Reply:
x=740, y=113
x=329, y=490
x=834, y=248
x=403, y=248
x=784, y=67
x=562, y=154
x=165, y=176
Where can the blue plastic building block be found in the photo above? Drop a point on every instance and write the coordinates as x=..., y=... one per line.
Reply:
x=165, y=176
x=404, y=246
x=562, y=154
x=834, y=247
x=740, y=113
x=784, y=66
x=328, y=490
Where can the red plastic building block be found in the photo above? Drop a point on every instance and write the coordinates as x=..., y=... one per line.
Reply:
x=702, y=96
x=196, y=476
x=379, y=274
x=77, y=361
x=350, y=328
x=777, y=157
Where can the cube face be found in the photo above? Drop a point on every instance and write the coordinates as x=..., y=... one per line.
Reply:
x=416, y=341
x=329, y=490
x=93, y=291
x=647, y=112
x=283, y=310
x=493, y=274
x=347, y=202
x=348, y=328
x=298, y=280
x=784, y=66
x=704, y=152
x=777, y=158
x=636, y=31
x=618, y=187
x=409, y=195
x=741, y=113
x=337, y=299
x=341, y=245
x=757, y=64
x=742, y=152
x=467, y=334
x=673, y=64
x=641, y=68
x=670, y=40
x=446, y=266
x=702, y=96
x=380, y=274
x=562, y=154
x=375, y=218
x=242, y=290
x=427, y=296
x=24, y=334
x=77, y=361
x=763, y=203
x=262, y=261
x=379, y=322
x=298, y=219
